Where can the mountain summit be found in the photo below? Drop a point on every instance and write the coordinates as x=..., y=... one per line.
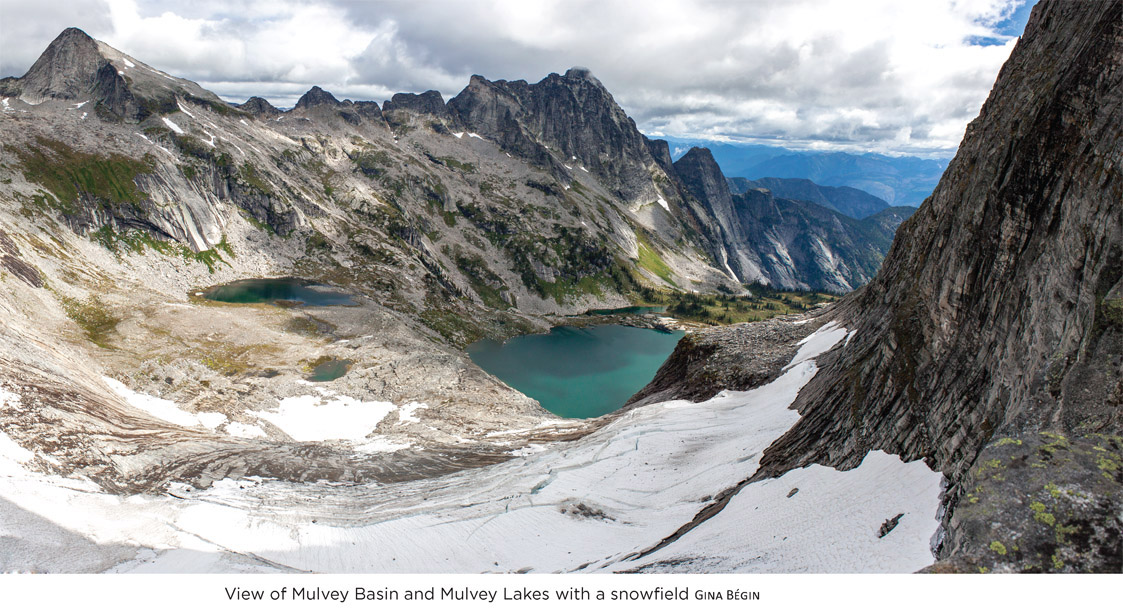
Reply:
x=77, y=67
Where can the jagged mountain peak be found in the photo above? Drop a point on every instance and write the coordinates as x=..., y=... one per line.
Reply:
x=67, y=69
x=699, y=155
x=316, y=97
x=582, y=73
x=570, y=122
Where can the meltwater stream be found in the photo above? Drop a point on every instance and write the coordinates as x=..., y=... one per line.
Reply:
x=578, y=372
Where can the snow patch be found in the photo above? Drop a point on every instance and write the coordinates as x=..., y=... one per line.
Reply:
x=242, y=430
x=160, y=408
x=406, y=412
x=821, y=341
x=458, y=134
x=310, y=418
x=211, y=420
x=663, y=203
x=827, y=517
x=475, y=135
x=184, y=110
x=128, y=63
x=172, y=126
x=10, y=450
x=381, y=445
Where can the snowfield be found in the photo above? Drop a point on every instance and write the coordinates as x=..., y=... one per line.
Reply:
x=600, y=503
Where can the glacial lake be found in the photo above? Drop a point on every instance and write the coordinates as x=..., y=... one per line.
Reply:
x=578, y=372
x=282, y=290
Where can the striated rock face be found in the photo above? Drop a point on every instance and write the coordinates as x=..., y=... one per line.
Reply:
x=996, y=316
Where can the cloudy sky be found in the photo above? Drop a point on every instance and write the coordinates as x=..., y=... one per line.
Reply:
x=890, y=76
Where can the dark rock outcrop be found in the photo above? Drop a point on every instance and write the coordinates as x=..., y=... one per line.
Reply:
x=12, y=262
x=316, y=97
x=258, y=106
x=708, y=361
x=429, y=102
x=996, y=316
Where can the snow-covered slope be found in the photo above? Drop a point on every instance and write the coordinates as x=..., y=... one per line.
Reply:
x=596, y=504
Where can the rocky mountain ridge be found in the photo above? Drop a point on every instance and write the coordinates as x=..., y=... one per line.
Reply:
x=566, y=125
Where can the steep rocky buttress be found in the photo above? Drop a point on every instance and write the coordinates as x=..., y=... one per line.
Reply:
x=990, y=342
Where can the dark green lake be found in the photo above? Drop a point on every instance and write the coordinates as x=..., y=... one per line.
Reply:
x=285, y=289
x=578, y=372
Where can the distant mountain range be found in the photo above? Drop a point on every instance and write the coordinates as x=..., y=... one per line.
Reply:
x=843, y=199
x=897, y=180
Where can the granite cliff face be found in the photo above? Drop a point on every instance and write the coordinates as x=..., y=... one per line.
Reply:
x=989, y=343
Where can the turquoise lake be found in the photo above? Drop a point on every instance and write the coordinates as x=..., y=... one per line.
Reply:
x=285, y=289
x=578, y=372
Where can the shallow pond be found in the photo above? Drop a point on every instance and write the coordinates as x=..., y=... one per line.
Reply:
x=329, y=370
x=578, y=372
x=281, y=290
